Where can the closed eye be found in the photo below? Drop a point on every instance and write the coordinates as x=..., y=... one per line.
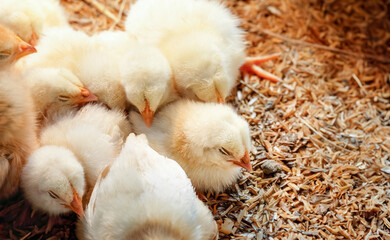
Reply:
x=4, y=54
x=224, y=151
x=53, y=195
x=63, y=98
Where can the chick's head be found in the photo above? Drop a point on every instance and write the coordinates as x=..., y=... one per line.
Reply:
x=199, y=67
x=56, y=88
x=213, y=146
x=25, y=24
x=12, y=47
x=146, y=78
x=53, y=180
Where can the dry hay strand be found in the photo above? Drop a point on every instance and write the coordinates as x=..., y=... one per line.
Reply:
x=321, y=137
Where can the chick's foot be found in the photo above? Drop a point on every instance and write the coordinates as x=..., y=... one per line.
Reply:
x=250, y=67
x=201, y=196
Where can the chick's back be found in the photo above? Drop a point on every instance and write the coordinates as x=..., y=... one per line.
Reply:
x=17, y=131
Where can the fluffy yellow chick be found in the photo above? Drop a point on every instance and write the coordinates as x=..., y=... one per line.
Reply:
x=74, y=148
x=210, y=141
x=17, y=131
x=99, y=72
x=146, y=77
x=12, y=48
x=144, y=195
x=53, y=180
x=94, y=60
x=60, y=47
x=201, y=40
x=29, y=18
x=55, y=90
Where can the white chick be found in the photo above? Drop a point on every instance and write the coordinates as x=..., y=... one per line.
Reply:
x=17, y=131
x=55, y=90
x=78, y=140
x=201, y=40
x=113, y=123
x=99, y=72
x=146, y=78
x=29, y=18
x=94, y=60
x=60, y=47
x=12, y=48
x=210, y=141
x=53, y=180
x=113, y=42
x=144, y=195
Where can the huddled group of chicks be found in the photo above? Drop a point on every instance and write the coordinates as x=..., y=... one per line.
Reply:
x=70, y=111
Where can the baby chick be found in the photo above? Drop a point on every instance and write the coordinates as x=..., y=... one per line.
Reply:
x=53, y=180
x=144, y=195
x=94, y=60
x=17, y=131
x=201, y=40
x=99, y=72
x=60, y=47
x=29, y=18
x=55, y=90
x=146, y=78
x=209, y=141
x=12, y=48
x=84, y=143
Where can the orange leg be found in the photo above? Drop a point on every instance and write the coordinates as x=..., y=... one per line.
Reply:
x=250, y=66
x=201, y=196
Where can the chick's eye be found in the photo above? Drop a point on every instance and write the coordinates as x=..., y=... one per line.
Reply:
x=63, y=98
x=4, y=54
x=52, y=194
x=224, y=151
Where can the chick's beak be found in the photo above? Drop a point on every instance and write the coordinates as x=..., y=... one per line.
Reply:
x=147, y=114
x=87, y=96
x=76, y=205
x=245, y=162
x=24, y=49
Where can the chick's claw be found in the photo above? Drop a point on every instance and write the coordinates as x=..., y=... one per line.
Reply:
x=250, y=66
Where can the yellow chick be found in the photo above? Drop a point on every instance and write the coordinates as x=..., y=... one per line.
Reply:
x=12, y=48
x=17, y=131
x=53, y=181
x=55, y=90
x=74, y=148
x=210, y=141
x=143, y=195
x=99, y=72
x=94, y=60
x=146, y=77
x=201, y=40
x=29, y=18
x=60, y=47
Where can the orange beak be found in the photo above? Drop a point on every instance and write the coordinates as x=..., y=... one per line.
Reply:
x=24, y=49
x=220, y=98
x=245, y=162
x=34, y=38
x=87, y=96
x=147, y=114
x=76, y=205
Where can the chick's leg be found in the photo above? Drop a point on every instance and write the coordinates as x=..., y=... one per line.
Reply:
x=201, y=196
x=250, y=66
